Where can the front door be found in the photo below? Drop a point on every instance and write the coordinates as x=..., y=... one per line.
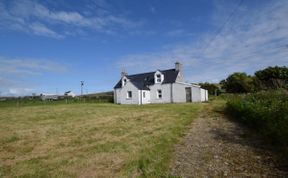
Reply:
x=188, y=94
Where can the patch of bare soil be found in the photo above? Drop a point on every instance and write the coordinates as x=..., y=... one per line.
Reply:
x=217, y=147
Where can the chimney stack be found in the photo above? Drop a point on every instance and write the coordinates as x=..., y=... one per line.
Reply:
x=123, y=73
x=178, y=66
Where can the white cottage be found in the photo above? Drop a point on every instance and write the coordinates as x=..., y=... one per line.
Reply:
x=70, y=94
x=161, y=86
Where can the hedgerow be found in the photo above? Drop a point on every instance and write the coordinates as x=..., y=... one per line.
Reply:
x=265, y=111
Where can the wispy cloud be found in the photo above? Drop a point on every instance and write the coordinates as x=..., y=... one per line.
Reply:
x=179, y=32
x=12, y=87
x=16, y=74
x=42, y=30
x=29, y=66
x=33, y=17
x=251, y=40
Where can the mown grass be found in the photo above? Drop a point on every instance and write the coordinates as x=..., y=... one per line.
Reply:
x=91, y=140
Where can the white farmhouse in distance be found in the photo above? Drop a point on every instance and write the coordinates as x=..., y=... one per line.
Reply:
x=47, y=96
x=70, y=94
x=161, y=86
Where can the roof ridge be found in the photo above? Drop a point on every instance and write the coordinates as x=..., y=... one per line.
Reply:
x=142, y=80
x=150, y=72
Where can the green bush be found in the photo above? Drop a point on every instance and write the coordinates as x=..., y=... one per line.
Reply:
x=266, y=112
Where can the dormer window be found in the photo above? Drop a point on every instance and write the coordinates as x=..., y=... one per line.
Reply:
x=159, y=77
x=124, y=81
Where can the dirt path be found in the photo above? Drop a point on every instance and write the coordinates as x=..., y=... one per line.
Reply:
x=218, y=147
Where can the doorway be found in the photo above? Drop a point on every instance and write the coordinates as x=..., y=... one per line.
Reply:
x=188, y=94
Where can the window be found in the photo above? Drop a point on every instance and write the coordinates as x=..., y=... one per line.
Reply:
x=124, y=81
x=158, y=78
x=159, y=94
x=129, y=94
x=144, y=94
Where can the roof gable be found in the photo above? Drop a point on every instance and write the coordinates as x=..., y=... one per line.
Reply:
x=143, y=80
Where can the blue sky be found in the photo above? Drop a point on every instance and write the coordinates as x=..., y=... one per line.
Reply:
x=50, y=46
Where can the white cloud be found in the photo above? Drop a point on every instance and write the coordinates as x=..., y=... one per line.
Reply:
x=16, y=74
x=252, y=40
x=42, y=30
x=28, y=66
x=19, y=91
x=33, y=17
x=12, y=87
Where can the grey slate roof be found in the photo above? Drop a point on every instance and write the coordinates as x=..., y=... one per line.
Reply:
x=142, y=81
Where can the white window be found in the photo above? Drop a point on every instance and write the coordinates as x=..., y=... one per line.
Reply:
x=159, y=94
x=124, y=82
x=158, y=78
x=129, y=94
x=144, y=94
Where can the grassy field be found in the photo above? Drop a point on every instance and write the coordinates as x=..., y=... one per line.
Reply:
x=91, y=140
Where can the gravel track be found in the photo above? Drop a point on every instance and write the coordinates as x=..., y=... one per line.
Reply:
x=217, y=147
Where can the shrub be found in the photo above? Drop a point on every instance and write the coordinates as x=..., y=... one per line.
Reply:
x=238, y=82
x=271, y=78
x=265, y=111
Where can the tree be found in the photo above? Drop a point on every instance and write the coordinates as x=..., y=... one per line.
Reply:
x=271, y=78
x=238, y=82
x=213, y=89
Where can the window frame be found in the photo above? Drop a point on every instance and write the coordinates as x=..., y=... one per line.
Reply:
x=129, y=95
x=124, y=81
x=158, y=78
x=159, y=94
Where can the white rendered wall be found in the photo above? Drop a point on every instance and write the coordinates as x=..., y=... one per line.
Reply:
x=203, y=95
x=146, y=100
x=196, y=94
x=179, y=93
x=122, y=95
x=166, y=93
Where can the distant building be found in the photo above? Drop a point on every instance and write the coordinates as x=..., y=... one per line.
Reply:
x=161, y=86
x=70, y=94
x=46, y=96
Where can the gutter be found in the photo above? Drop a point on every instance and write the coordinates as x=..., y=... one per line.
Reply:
x=171, y=94
x=141, y=100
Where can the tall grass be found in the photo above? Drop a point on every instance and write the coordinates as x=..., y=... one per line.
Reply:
x=266, y=112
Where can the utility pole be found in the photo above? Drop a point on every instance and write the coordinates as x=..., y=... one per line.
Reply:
x=82, y=84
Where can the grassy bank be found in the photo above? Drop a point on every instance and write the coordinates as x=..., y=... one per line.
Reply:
x=266, y=112
x=88, y=140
